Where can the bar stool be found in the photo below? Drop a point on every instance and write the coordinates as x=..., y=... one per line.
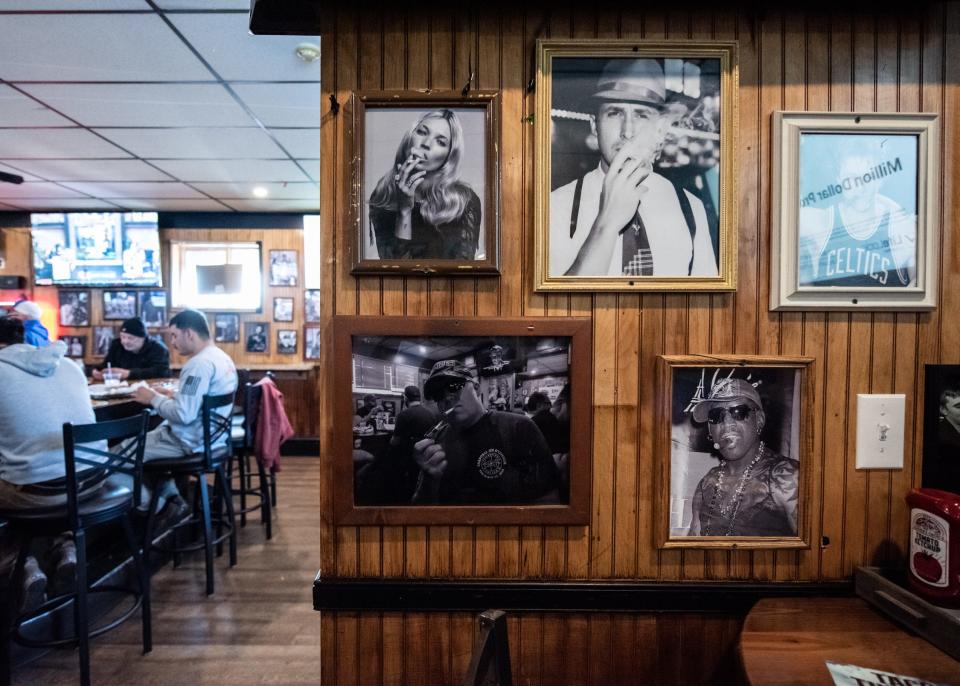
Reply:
x=216, y=452
x=91, y=501
x=242, y=437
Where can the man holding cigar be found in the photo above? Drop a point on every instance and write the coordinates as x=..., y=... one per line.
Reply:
x=478, y=456
x=623, y=218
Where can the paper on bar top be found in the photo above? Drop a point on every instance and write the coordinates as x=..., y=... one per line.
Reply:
x=852, y=675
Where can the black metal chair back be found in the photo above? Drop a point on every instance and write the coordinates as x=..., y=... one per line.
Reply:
x=98, y=465
x=216, y=429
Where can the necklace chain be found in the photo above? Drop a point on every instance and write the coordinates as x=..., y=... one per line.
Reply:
x=732, y=508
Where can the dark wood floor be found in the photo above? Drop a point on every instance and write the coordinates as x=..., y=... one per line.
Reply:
x=258, y=628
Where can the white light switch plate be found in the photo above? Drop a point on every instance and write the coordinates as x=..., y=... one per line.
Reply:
x=880, y=421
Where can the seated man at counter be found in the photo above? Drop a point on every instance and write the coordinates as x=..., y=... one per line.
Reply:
x=480, y=456
x=42, y=390
x=135, y=355
x=208, y=371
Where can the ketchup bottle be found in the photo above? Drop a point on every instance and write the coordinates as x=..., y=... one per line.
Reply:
x=934, y=566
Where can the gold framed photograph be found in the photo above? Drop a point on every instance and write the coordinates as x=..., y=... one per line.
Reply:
x=426, y=176
x=855, y=211
x=634, y=173
x=733, y=442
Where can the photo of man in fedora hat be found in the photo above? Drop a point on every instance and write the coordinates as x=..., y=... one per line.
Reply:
x=624, y=216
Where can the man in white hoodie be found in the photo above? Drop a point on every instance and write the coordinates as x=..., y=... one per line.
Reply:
x=41, y=391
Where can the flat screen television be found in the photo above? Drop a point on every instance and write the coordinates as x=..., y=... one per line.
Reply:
x=96, y=249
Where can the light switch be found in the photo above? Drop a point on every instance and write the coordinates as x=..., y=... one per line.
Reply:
x=880, y=421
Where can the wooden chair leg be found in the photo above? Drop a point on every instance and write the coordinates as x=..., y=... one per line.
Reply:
x=273, y=489
x=143, y=580
x=148, y=529
x=265, y=510
x=207, y=531
x=80, y=618
x=231, y=514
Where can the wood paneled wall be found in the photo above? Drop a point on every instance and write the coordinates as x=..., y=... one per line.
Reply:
x=795, y=60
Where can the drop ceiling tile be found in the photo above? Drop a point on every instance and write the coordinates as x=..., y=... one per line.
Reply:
x=282, y=104
x=312, y=167
x=36, y=189
x=231, y=170
x=172, y=204
x=103, y=105
x=74, y=5
x=299, y=142
x=54, y=204
x=225, y=42
x=145, y=189
x=92, y=170
x=16, y=109
x=195, y=142
x=275, y=191
x=55, y=144
x=204, y=5
x=113, y=47
x=255, y=205
x=20, y=172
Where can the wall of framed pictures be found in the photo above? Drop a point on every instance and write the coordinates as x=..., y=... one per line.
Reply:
x=792, y=61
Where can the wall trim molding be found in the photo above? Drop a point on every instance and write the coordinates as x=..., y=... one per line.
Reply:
x=362, y=594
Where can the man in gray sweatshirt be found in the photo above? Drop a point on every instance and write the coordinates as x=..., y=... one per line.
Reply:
x=41, y=391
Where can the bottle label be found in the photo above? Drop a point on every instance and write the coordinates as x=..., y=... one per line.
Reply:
x=929, y=548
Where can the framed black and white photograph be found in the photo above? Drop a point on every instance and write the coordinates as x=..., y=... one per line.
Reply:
x=74, y=308
x=426, y=182
x=855, y=211
x=257, y=336
x=226, y=326
x=153, y=308
x=311, y=342
x=457, y=421
x=634, y=181
x=941, y=428
x=283, y=309
x=733, y=452
x=287, y=341
x=311, y=305
x=76, y=346
x=102, y=338
x=118, y=305
x=284, y=268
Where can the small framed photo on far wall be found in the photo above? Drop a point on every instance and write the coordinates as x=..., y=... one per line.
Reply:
x=258, y=336
x=102, y=338
x=283, y=309
x=311, y=342
x=153, y=308
x=941, y=428
x=76, y=346
x=119, y=305
x=226, y=327
x=287, y=341
x=74, y=308
x=284, y=268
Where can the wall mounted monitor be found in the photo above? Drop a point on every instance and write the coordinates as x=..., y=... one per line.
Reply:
x=96, y=249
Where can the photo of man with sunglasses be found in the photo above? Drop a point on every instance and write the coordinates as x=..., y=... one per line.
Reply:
x=753, y=491
x=480, y=456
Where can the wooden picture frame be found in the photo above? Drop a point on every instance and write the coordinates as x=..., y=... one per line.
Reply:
x=732, y=433
x=653, y=123
x=855, y=209
x=102, y=338
x=287, y=341
x=311, y=305
x=152, y=306
x=311, y=342
x=76, y=346
x=458, y=231
x=284, y=268
x=482, y=373
x=226, y=327
x=119, y=305
x=74, y=308
x=283, y=309
x=256, y=337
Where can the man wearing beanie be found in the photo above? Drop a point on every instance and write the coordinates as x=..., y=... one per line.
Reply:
x=34, y=333
x=135, y=355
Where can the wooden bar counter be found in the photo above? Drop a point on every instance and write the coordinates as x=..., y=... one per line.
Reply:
x=789, y=641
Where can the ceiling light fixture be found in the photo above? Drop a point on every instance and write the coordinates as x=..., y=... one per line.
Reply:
x=307, y=52
x=260, y=192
